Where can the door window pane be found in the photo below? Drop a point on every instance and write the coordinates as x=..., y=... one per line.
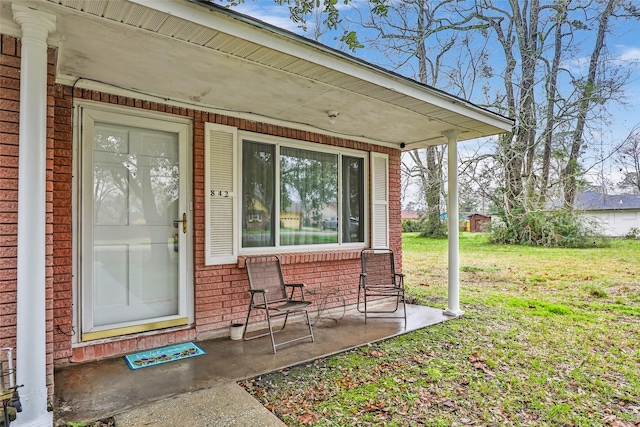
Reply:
x=258, y=195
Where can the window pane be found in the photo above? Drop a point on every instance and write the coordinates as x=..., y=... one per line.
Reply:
x=258, y=195
x=352, y=199
x=308, y=197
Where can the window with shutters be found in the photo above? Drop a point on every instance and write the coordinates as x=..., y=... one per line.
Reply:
x=291, y=195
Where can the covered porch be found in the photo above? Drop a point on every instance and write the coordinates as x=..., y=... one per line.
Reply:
x=108, y=387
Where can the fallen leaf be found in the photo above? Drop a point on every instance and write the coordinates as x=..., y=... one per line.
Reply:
x=307, y=418
x=475, y=357
x=619, y=423
x=373, y=407
x=449, y=404
x=489, y=372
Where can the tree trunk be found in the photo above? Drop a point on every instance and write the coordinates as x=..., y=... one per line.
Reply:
x=571, y=169
x=551, y=99
x=523, y=152
x=432, y=183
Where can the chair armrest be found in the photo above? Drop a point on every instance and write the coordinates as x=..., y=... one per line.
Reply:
x=363, y=274
x=258, y=291
x=399, y=274
x=295, y=285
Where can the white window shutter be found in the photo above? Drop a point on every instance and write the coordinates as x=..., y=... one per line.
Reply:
x=220, y=151
x=379, y=200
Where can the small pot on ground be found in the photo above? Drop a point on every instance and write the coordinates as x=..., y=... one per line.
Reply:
x=236, y=330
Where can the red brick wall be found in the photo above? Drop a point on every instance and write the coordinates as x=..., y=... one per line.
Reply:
x=62, y=228
x=395, y=207
x=51, y=70
x=221, y=295
x=10, y=48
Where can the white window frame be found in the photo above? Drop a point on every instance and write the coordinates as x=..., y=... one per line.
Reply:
x=292, y=143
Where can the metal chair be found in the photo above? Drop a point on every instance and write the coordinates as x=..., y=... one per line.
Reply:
x=270, y=293
x=378, y=281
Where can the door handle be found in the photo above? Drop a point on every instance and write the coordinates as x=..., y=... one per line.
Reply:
x=183, y=221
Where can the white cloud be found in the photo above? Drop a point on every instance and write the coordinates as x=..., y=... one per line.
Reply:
x=629, y=53
x=578, y=64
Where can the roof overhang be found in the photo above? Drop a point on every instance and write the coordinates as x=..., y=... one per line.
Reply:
x=196, y=54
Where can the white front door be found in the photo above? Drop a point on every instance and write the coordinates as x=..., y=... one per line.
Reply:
x=134, y=223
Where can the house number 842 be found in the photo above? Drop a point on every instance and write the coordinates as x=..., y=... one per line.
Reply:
x=219, y=193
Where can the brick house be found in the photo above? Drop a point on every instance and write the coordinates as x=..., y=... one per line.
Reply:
x=132, y=134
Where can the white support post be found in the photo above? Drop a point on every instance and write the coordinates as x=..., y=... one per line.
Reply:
x=31, y=354
x=453, y=297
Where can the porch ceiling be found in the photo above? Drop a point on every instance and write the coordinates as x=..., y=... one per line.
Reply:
x=194, y=53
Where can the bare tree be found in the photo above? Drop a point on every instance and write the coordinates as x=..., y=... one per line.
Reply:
x=629, y=157
x=410, y=34
x=588, y=91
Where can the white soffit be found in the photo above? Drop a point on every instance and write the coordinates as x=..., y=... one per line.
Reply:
x=212, y=57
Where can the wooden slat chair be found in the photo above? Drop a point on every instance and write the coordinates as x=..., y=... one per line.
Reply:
x=379, y=280
x=269, y=293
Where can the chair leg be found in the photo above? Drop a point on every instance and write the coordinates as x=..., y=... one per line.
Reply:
x=272, y=333
x=246, y=323
x=365, y=307
x=273, y=341
x=363, y=301
x=364, y=297
x=309, y=325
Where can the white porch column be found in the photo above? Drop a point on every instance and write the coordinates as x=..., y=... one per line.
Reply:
x=453, y=296
x=31, y=365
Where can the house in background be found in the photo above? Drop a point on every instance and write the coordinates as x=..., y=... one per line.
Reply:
x=412, y=215
x=616, y=214
x=130, y=129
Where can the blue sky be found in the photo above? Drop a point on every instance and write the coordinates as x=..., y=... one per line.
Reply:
x=624, y=47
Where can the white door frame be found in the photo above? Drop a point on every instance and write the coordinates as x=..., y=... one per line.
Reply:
x=86, y=112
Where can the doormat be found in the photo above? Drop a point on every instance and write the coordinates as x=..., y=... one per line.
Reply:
x=163, y=355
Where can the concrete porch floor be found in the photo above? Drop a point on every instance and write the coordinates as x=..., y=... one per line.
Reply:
x=202, y=390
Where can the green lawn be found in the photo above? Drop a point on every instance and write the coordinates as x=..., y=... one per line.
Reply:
x=550, y=337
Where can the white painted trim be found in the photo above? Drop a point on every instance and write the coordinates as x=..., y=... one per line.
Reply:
x=86, y=113
x=209, y=195
x=379, y=237
x=31, y=331
x=296, y=143
x=453, y=291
